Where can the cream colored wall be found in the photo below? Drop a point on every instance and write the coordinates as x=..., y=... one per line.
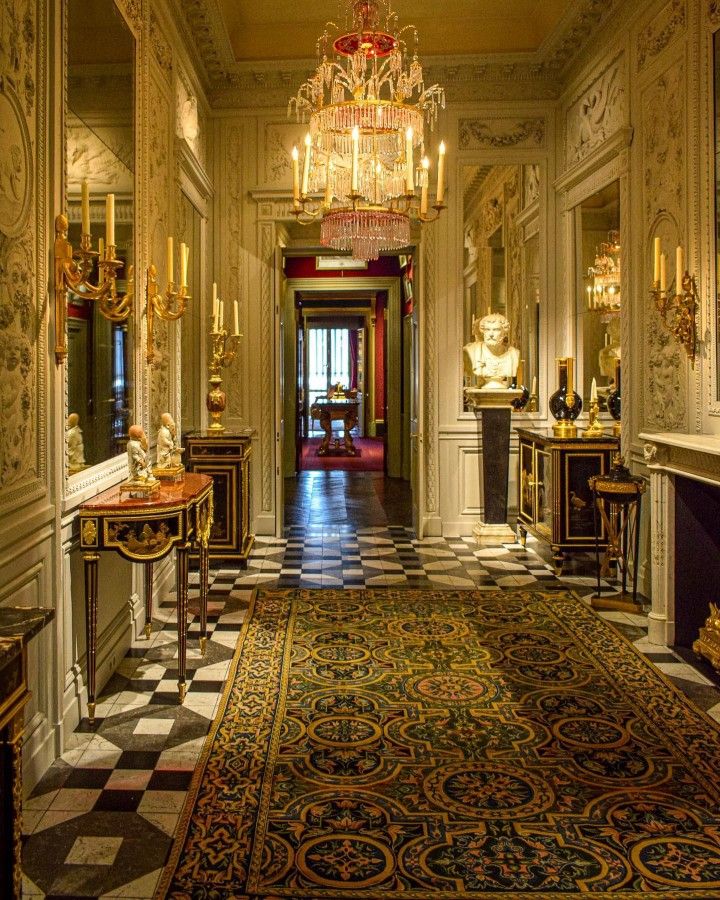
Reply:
x=39, y=559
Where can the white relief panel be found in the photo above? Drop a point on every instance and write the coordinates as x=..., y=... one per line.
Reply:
x=597, y=114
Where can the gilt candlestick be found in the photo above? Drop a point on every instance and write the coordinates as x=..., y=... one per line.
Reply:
x=224, y=351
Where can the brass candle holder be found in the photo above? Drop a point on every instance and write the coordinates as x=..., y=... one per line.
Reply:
x=678, y=312
x=595, y=427
x=73, y=270
x=168, y=305
x=224, y=351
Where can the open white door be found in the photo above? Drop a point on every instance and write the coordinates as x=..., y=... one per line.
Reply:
x=278, y=302
x=417, y=406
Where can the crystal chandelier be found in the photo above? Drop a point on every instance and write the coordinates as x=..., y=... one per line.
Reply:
x=604, y=288
x=367, y=108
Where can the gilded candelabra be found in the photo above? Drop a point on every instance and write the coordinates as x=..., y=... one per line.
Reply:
x=168, y=305
x=678, y=311
x=73, y=270
x=224, y=351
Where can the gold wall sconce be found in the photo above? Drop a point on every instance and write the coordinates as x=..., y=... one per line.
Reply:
x=224, y=350
x=74, y=268
x=678, y=311
x=169, y=304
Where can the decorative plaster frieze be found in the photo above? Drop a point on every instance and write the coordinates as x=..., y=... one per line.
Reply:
x=660, y=31
x=531, y=184
x=476, y=133
x=279, y=139
x=597, y=114
x=714, y=12
x=132, y=10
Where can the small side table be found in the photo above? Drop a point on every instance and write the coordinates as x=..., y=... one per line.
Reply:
x=146, y=530
x=616, y=505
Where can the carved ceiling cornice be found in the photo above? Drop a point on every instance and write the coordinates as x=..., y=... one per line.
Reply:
x=538, y=75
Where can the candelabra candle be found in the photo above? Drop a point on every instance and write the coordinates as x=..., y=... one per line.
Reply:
x=677, y=310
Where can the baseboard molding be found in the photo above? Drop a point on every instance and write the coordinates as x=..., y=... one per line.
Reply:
x=265, y=524
x=433, y=526
x=39, y=751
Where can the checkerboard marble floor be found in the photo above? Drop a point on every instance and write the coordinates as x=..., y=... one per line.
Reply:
x=100, y=822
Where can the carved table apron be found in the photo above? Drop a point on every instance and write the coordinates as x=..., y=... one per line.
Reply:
x=146, y=530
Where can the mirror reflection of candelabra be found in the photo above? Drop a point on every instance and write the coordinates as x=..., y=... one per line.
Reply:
x=74, y=269
x=169, y=304
x=604, y=288
x=224, y=350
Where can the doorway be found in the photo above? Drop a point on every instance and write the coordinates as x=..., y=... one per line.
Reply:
x=346, y=331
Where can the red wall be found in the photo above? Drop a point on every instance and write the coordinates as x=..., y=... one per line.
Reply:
x=304, y=267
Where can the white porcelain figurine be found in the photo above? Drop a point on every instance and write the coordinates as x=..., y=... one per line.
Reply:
x=75, y=443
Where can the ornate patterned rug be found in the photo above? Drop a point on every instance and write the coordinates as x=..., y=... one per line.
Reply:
x=447, y=744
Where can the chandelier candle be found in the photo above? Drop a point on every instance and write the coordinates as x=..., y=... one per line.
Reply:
x=366, y=105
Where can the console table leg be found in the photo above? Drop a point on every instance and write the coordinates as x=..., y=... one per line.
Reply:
x=182, y=608
x=148, y=598
x=91, y=602
x=204, y=575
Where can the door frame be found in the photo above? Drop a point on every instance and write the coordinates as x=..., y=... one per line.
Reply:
x=285, y=312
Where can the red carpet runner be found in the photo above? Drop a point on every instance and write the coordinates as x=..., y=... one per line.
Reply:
x=370, y=456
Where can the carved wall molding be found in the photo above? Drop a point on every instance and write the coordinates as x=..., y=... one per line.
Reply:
x=233, y=253
x=597, y=113
x=159, y=45
x=278, y=140
x=133, y=12
x=23, y=254
x=713, y=12
x=495, y=133
x=660, y=31
x=430, y=343
x=267, y=261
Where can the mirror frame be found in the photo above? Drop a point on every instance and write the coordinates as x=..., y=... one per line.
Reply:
x=535, y=221
x=608, y=164
x=80, y=485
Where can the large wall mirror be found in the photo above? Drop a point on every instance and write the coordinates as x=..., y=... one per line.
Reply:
x=501, y=255
x=598, y=262
x=100, y=149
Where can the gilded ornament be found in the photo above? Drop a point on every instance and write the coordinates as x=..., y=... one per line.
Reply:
x=89, y=533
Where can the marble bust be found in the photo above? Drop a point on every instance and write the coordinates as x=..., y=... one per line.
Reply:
x=75, y=443
x=488, y=360
x=167, y=449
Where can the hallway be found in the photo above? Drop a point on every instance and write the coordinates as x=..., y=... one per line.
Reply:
x=100, y=822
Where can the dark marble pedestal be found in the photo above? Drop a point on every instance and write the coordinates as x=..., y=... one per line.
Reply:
x=494, y=410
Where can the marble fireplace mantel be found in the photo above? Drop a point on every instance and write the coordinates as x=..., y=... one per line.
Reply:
x=668, y=455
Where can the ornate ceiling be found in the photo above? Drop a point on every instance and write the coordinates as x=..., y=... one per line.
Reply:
x=253, y=53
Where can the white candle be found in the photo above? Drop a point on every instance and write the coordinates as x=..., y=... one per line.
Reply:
x=110, y=220
x=220, y=315
x=85, y=207
x=183, y=264
x=533, y=393
x=590, y=299
x=424, y=187
x=214, y=297
x=593, y=391
x=170, y=260
x=296, y=177
x=306, y=165
x=237, y=317
x=441, y=173
x=663, y=272
x=679, y=268
x=101, y=256
x=355, y=160
x=409, y=174
x=656, y=260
